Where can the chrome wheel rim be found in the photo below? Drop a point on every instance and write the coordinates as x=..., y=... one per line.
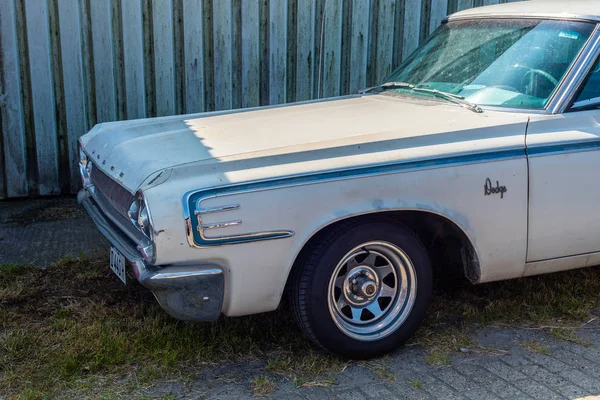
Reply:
x=372, y=291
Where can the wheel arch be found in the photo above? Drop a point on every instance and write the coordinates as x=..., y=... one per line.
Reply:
x=445, y=239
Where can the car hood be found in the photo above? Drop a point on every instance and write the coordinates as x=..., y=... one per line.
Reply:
x=132, y=152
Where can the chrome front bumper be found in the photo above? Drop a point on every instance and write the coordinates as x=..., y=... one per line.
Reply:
x=189, y=292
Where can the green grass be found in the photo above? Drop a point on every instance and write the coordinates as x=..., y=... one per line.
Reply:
x=534, y=301
x=416, y=384
x=310, y=369
x=380, y=369
x=74, y=321
x=559, y=301
x=437, y=358
x=262, y=386
x=74, y=328
x=536, y=347
x=569, y=336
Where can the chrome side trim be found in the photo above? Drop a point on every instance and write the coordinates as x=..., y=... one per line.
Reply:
x=203, y=240
x=206, y=241
x=538, y=267
x=508, y=15
x=563, y=148
x=217, y=225
x=585, y=103
x=576, y=75
x=191, y=199
x=515, y=110
x=217, y=209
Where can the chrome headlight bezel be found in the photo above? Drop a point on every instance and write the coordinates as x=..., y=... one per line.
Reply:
x=139, y=215
x=85, y=168
x=134, y=210
x=143, y=221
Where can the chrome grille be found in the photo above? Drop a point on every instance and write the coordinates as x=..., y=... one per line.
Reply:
x=118, y=197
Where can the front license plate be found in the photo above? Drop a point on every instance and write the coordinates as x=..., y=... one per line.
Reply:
x=117, y=263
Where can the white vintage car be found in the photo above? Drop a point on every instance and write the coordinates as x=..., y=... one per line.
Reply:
x=480, y=151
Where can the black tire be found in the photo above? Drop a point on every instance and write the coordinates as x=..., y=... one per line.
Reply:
x=312, y=279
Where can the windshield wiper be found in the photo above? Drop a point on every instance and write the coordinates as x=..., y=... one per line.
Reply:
x=460, y=100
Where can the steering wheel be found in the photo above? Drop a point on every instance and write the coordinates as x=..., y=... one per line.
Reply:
x=526, y=76
x=534, y=71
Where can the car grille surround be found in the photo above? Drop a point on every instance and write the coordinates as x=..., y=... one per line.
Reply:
x=116, y=195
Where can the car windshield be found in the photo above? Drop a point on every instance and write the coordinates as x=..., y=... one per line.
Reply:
x=515, y=63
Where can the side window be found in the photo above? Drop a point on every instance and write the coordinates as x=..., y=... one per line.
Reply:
x=589, y=95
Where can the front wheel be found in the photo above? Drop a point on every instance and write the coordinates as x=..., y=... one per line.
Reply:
x=362, y=290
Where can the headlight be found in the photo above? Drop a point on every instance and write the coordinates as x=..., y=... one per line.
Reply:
x=144, y=222
x=85, y=168
x=134, y=211
x=140, y=215
x=82, y=156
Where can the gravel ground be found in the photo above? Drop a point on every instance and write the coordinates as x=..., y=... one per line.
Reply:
x=41, y=231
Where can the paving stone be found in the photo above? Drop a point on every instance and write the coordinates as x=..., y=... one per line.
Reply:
x=542, y=375
x=288, y=396
x=458, y=381
x=571, y=391
x=434, y=387
x=515, y=360
x=549, y=362
x=553, y=381
x=504, y=371
x=404, y=390
x=468, y=367
x=408, y=361
x=229, y=391
x=536, y=390
x=591, y=353
x=480, y=394
x=378, y=391
x=582, y=380
x=521, y=396
x=498, y=338
x=316, y=393
x=437, y=388
x=497, y=385
x=575, y=360
x=351, y=395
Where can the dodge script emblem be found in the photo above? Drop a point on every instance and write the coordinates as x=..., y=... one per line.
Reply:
x=489, y=189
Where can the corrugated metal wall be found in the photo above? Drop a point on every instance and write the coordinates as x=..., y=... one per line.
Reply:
x=66, y=65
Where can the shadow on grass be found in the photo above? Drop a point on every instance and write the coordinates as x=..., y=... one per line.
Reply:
x=75, y=320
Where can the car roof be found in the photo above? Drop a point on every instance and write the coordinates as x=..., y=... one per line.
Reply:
x=556, y=9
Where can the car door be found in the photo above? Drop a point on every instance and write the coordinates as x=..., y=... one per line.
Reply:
x=564, y=181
